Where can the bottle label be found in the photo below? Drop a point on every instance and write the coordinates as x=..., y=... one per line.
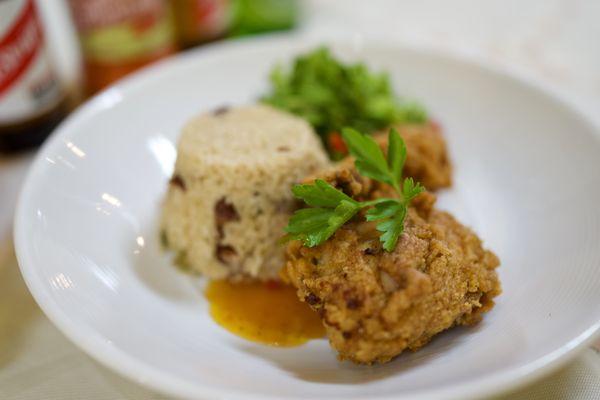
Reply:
x=28, y=86
x=210, y=18
x=117, y=31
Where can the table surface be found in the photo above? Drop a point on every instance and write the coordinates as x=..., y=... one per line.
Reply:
x=552, y=41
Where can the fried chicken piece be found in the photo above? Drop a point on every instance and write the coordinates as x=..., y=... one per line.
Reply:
x=427, y=160
x=375, y=304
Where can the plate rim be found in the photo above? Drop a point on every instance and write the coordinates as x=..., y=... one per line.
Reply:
x=137, y=371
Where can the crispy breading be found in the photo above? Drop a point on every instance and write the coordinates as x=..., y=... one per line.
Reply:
x=375, y=304
x=427, y=160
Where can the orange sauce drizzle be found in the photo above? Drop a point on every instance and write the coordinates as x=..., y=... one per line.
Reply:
x=268, y=313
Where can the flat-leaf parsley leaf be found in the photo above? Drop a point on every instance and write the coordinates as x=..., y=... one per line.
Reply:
x=331, y=208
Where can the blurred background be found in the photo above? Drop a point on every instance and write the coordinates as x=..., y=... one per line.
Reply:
x=90, y=44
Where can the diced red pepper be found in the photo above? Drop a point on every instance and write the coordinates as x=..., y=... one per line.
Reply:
x=336, y=143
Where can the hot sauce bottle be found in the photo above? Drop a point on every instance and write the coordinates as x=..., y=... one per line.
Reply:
x=201, y=21
x=32, y=99
x=118, y=37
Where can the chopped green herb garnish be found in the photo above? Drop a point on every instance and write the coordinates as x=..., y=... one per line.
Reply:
x=331, y=95
x=330, y=208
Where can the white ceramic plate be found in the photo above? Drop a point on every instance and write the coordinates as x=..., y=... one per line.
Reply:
x=527, y=179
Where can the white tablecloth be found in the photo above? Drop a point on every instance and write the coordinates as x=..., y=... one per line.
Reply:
x=555, y=41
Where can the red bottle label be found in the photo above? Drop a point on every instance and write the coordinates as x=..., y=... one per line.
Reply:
x=28, y=85
x=19, y=46
x=92, y=15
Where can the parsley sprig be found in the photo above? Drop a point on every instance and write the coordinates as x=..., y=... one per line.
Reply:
x=330, y=208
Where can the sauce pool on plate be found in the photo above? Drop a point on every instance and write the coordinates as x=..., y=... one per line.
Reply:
x=268, y=313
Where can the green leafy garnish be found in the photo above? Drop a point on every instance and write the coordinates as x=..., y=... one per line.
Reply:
x=331, y=95
x=331, y=208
